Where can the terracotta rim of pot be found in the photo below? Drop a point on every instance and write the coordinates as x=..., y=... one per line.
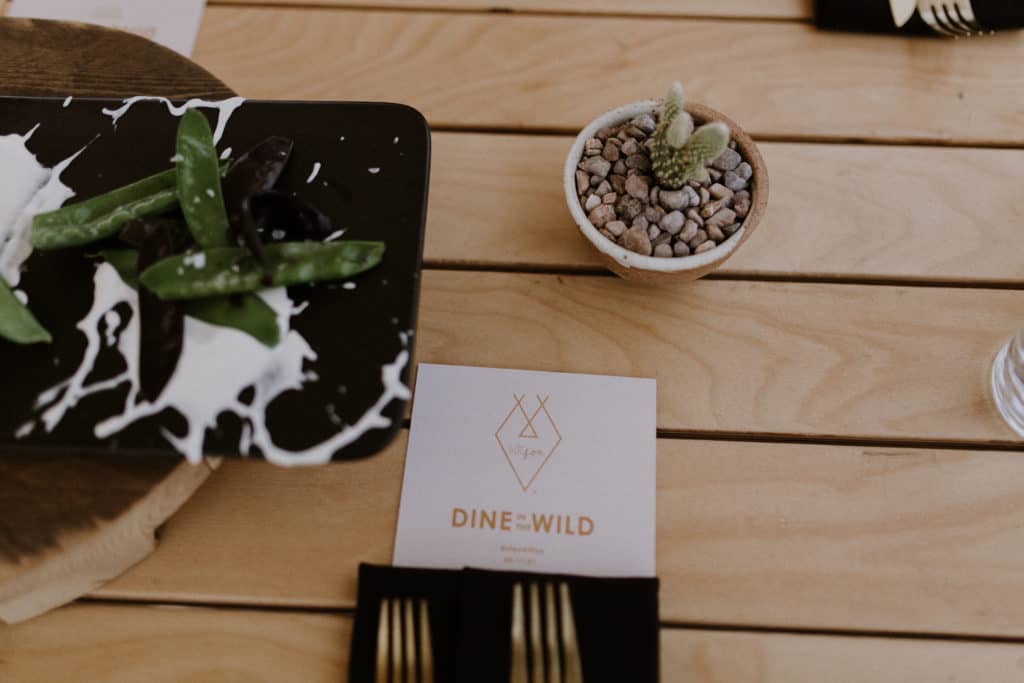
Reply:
x=635, y=266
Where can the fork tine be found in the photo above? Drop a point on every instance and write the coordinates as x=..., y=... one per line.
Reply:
x=409, y=673
x=396, y=641
x=927, y=12
x=570, y=646
x=426, y=648
x=381, y=669
x=550, y=635
x=536, y=654
x=517, y=670
x=965, y=16
x=952, y=20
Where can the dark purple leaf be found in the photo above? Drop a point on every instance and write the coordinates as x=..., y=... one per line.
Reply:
x=289, y=216
x=255, y=171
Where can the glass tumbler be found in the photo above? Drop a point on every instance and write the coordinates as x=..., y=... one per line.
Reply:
x=1008, y=382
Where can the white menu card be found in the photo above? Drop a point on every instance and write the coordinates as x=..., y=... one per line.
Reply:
x=172, y=23
x=531, y=471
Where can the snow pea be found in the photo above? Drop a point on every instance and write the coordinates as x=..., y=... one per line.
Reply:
x=17, y=323
x=247, y=313
x=230, y=270
x=125, y=262
x=46, y=235
x=101, y=217
x=91, y=209
x=198, y=182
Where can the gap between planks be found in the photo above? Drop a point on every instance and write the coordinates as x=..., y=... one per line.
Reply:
x=728, y=276
x=790, y=138
x=750, y=10
x=711, y=627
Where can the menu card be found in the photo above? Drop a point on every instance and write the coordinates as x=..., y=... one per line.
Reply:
x=173, y=24
x=529, y=471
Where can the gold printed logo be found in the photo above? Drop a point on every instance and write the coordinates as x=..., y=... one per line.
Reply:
x=528, y=439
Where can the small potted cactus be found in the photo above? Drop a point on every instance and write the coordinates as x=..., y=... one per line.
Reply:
x=665, y=190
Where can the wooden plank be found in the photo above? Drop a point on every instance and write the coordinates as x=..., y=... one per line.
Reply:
x=937, y=214
x=784, y=535
x=122, y=644
x=513, y=71
x=747, y=9
x=726, y=657
x=116, y=644
x=864, y=362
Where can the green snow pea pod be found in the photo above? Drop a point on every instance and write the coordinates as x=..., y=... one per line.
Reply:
x=231, y=270
x=102, y=216
x=247, y=313
x=91, y=209
x=62, y=235
x=125, y=262
x=17, y=323
x=198, y=182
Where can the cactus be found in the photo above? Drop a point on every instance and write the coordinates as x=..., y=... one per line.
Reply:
x=680, y=153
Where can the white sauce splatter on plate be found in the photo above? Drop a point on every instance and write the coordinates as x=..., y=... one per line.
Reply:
x=201, y=392
x=198, y=390
x=315, y=172
x=225, y=108
x=28, y=188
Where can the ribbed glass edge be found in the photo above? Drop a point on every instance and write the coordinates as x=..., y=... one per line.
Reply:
x=1008, y=384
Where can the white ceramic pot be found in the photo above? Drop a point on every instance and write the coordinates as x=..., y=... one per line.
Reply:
x=651, y=269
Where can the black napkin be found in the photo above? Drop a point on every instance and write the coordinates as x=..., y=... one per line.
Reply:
x=875, y=16
x=616, y=626
x=440, y=587
x=471, y=615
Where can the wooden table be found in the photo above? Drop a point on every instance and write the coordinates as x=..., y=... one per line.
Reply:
x=838, y=500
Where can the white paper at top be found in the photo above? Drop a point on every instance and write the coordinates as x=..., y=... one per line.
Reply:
x=172, y=23
x=534, y=471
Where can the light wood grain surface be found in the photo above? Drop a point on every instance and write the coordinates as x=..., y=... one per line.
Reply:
x=937, y=214
x=191, y=644
x=749, y=9
x=909, y=528
x=821, y=360
x=552, y=72
x=809, y=536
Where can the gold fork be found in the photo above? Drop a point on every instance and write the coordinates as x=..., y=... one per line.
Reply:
x=399, y=660
x=560, y=655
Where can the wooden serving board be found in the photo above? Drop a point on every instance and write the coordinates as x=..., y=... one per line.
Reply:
x=68, y=522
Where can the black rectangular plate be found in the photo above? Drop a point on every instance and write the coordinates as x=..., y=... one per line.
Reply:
x=354, y=332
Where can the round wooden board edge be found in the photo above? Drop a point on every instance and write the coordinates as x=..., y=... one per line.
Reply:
x=84, y=560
